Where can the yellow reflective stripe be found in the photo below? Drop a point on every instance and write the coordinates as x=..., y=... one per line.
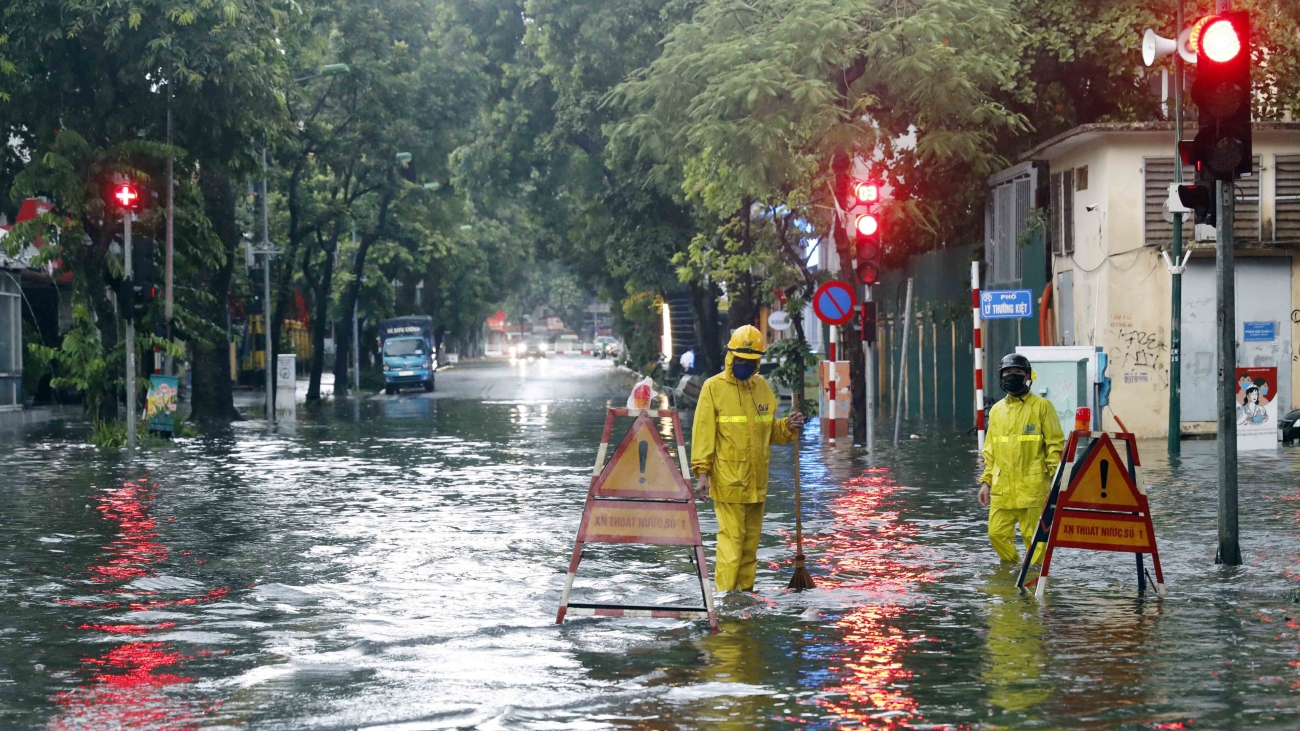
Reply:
x=732, y=419
x=1031, y=437
x=764, y=417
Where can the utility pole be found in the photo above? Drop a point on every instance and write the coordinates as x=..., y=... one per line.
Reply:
x=1229, y=548
x=130, y=336
x=269, y=350
x=902, y=371
x=1175, y=446
x=868, y=373
x=356, y=334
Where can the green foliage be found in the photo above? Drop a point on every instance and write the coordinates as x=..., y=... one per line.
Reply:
x=81, y=362
x=108, y=436
x=795, y=358
x=637, y=314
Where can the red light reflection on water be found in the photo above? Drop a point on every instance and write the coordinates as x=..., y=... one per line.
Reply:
x=127, y=686
x=871, y=552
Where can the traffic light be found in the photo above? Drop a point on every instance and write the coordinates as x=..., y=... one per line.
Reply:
x=1222, y=92
x=869, y=322
x=864, y=227
x=126, y=196
x=1199, y=198
x=143, y=284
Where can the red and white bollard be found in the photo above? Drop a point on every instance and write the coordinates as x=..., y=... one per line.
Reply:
x=833, y=386
x=979, y=352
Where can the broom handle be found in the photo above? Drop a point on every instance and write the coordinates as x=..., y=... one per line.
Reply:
x=798, y=500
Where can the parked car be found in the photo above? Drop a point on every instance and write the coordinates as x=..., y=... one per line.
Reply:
x=1289, y=426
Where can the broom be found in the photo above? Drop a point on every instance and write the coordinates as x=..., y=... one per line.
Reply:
x=801, y=579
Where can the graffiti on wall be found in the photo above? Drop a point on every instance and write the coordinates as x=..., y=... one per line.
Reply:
x=1137, y=356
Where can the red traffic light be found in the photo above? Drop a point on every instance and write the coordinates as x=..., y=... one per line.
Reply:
x=1219, y=40
x=127, y=196
x=866, y=225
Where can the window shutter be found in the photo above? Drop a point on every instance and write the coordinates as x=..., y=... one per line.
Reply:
x=1024, y=201
x=1286, y=198
x=1002, y=214
x=1157, y=176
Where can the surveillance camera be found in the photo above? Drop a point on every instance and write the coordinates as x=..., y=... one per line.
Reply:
x=1090, y=209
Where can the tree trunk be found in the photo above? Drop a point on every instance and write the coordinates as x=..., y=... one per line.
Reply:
x=343, y=328
x=704, y=308
x=212, y=400
x=322, y=316
x=742, y=308
x=342, y=349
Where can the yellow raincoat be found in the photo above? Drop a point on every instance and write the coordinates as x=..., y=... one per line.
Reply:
x=1021, y=452
x=731, y=440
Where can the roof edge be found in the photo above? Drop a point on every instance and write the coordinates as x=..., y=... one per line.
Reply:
x=1038, y=149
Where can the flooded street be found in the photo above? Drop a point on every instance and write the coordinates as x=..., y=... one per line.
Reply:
x=396, y=562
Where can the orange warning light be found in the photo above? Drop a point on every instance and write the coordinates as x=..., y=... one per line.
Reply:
x=1082, y=418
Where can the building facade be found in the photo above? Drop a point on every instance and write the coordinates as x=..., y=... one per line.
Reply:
x=1097, y=194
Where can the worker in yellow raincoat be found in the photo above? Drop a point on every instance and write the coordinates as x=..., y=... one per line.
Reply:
x=1021, y=452
x=735, y=426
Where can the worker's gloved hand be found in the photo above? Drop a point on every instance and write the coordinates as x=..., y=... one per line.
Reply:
x=796, y=421
x=702, y=487
x=984, y=495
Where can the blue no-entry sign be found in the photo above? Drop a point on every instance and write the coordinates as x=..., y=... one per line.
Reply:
x=999, y=304
x=833, y=303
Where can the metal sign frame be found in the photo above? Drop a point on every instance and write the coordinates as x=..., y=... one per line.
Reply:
x=598, y=500
x=1075, y=460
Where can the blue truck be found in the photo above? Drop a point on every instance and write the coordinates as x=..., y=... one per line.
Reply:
x=409, y=354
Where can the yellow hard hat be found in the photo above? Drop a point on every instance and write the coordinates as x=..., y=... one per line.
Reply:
x=747, y=342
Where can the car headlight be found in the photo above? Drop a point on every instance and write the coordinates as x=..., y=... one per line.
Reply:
x=386, y=368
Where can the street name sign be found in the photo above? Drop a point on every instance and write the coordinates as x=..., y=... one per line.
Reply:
x=1005, y=304
x=640, y=496
x=1103, y=507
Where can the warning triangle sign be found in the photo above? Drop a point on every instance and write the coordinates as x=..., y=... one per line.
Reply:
x=642, y=468
x=1103, y=482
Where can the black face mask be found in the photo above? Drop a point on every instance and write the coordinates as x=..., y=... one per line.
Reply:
x=743, y=369
x=1013, y=383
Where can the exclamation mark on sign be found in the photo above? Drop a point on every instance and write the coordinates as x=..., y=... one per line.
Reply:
x=642, y=449
x=1105, y=470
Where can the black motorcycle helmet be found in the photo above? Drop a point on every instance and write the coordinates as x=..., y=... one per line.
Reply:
x=1016, y=360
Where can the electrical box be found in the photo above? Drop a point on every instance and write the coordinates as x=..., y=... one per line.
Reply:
x=1065, y=384
x=1058, y=369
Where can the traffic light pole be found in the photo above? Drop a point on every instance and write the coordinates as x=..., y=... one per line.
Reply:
x=167, y=286
x=130, y=338
x=868, y=374
x=1229, y=549
x=1175, y=446
x=269, y=349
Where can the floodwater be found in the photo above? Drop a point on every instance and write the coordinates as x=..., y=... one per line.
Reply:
x=397, y=562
